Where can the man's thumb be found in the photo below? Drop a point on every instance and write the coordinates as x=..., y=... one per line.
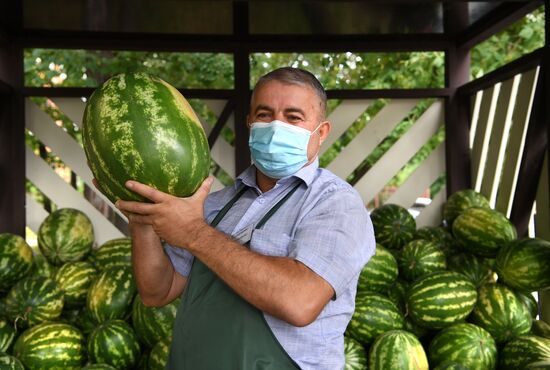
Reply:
x=204, y=189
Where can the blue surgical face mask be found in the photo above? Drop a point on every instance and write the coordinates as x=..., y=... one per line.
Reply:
x=278, y=149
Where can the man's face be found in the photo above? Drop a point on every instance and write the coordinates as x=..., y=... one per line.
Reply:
x=294, y=104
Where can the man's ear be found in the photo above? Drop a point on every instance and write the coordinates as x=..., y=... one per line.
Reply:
x=324, y=131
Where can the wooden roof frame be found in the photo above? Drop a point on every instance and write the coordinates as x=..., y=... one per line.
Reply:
x=456, y=42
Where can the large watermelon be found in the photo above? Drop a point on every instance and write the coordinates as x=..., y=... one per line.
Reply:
x=470, y=266
x=113, y=253
x=420, y=257
x=7, y=335
x=393, y=225
x=74, y=279
x=441, y=299
x=525, y=264
x=66, y=235
x=374, y=314
x=34, y=300
x=501, y=312
x=138, y=127
x=114, y=343
x=461, y=201
x=523, y=351
x=111, y=295
x=356, y=356
x=468, y=344
x=397, y=350
x=483, y=231
x=50, y=346
x=153, y=323
x=15, y=260
x=379, y=273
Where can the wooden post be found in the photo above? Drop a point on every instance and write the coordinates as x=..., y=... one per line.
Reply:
x=12, y=124
x=457, y=111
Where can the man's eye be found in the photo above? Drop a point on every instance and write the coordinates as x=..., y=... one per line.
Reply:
x=294, y=118
x=262, y=115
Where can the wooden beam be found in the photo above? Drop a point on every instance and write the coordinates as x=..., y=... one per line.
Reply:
x=457, y=108
x=222, y=120
x=495, y=21
x=532, y=159
x=523, y=64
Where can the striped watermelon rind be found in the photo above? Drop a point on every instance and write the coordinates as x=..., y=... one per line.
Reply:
x=159, y=355
x=139, y=127
x=525, y=264
x=541, y=329
x=374, y=314
x=113, y=253
x=50, y=346
x=34, y=300
x=460, y=201
x=441, y=236
x=111, y=295
x=420, y=257
x=15, y=260
x=450, y=365
x=379, y=273
x=7, y=335
x=66, y=235
x=355, y=354
x=522, y=351
x=530, y=302
x=114, y=343
x=8, y=362
x=41, y=267
x=397, y=350
x=393, y=226
x=398, y=294
x=74, y=279
x=153, y=324
x=464, y=343
x=98, y=367
x=483, y=231
x=472, y=267
x=440, y=299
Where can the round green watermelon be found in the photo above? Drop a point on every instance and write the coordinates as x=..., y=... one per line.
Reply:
x=483, y=231
x=74, y=279
x=114, y=343
x=379, y=273
x=464, y=343
x=525, y=264
x=138, y=127
x=393, y=225
x=541, y=329
x=472, y=267
x=7, y=335
x=111, y=295
x=398, y=294
x=153, y=324
x=397, y=350
x=374, y=314
x=85, y=321
x=501, y=312
x=66, y=235
x=50, y=346
x=113, y=253
x=8, y=362
x=523, y=351
x=159, y=355
x=461, y=201
x=530, y=302
x=441, y=299
x=420, y=257
x=441, y=236
x=356, y=356
x=34, y=300
x=15, y=260
x=41, y=267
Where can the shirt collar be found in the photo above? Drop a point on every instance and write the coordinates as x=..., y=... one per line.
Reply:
x=306, y=174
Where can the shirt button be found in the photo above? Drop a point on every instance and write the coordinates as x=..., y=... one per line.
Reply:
x=261, y=200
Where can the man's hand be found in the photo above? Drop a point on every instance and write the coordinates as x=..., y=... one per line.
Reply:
x=173, y=219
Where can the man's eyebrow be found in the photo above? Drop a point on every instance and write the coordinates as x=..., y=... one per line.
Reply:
x=263, y=107
x=295, y=110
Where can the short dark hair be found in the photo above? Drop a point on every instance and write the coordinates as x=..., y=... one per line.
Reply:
x=296, y=76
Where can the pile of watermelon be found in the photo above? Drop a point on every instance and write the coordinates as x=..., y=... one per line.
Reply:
x=458, y=296
x=71, y=306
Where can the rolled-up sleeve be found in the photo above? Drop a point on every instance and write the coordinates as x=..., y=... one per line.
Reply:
x=336, y=238
x=180, y=258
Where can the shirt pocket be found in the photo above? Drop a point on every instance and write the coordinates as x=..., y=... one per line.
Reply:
x=270, y=243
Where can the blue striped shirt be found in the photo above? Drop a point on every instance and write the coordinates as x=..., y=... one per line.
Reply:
x=325, y=226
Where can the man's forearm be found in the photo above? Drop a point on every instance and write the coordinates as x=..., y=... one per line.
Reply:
x=280, y=286
x=155, y=275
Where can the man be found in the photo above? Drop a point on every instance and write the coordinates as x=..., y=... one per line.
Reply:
x=268, y=267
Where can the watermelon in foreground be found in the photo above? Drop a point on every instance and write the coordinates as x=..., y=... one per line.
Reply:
x=15, y=260
x=139, y=127
x=397, y=350
x=356, y=356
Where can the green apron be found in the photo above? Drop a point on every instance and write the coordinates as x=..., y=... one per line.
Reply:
x=215, y=329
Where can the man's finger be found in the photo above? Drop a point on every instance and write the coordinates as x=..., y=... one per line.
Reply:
x=203, y=191
x=135, y=207
x=96, y=184
x=148, y=192
x=140, y=219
